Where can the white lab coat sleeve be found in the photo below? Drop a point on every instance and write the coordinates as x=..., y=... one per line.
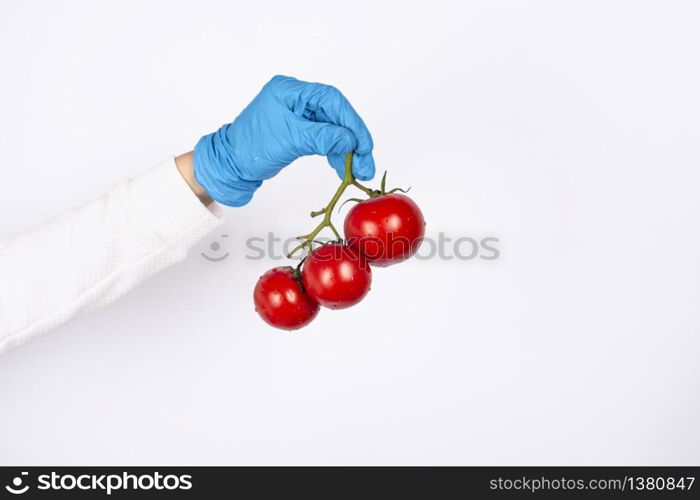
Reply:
x=91, y=256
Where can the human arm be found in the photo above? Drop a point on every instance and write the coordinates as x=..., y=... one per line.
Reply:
x=92, y=255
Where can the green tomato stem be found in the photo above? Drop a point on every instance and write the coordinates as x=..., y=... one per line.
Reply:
x=349, y=179
x=367, y=191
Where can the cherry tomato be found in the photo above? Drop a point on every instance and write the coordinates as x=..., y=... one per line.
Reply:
x=387, y=229
x=282, y=302
x=336, y=276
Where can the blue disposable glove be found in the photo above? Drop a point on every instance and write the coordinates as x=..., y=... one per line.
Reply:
x=287, y=119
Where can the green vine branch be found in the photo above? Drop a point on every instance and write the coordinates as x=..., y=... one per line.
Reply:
x=307, y=240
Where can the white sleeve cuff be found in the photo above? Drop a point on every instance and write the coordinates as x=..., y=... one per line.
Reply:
x=170, y=207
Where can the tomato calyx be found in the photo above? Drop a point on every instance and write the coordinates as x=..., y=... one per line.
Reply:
x=296, y=273
x=373, y=193
x=382, y=188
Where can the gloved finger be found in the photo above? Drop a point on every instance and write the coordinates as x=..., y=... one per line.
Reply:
x=328, y=104
x=324, y=103
x=362, y=165
x=312, y=138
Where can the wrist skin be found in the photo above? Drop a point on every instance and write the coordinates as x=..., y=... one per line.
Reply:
x=185, y=165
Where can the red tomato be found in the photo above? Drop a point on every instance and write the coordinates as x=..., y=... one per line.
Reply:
x=282, y=302
x=336, y=276
x=387, y=229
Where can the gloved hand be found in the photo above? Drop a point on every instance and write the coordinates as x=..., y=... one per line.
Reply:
x=287, y=119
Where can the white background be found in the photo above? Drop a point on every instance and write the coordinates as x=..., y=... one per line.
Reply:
x=569, y=130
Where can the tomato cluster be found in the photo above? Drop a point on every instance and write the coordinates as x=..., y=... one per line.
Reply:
x=381, y=231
